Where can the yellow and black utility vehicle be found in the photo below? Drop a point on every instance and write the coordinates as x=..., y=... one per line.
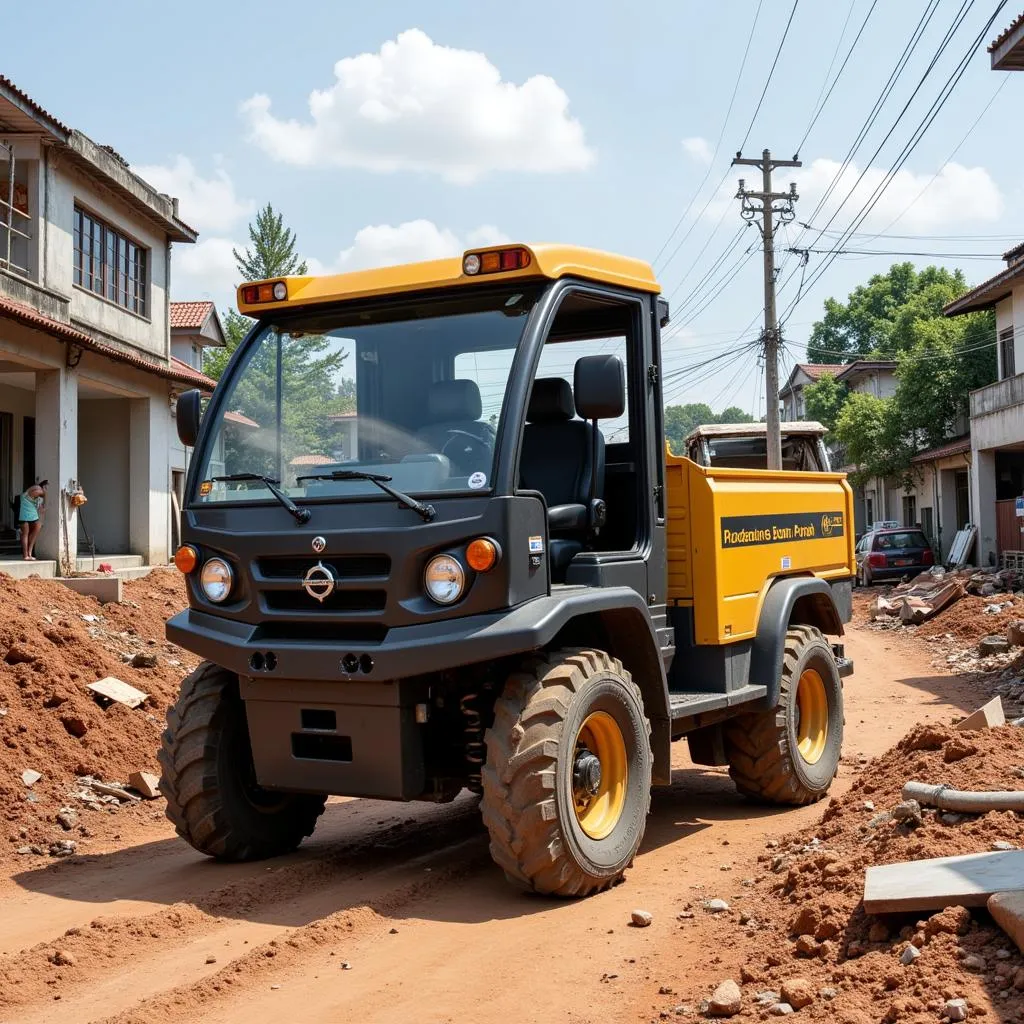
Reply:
x=434, y=541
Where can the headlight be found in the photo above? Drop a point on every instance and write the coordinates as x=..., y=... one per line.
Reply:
x=444, y=579
x=216, y=579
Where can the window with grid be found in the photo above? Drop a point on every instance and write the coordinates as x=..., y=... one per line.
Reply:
x=108, y=264
x=1006, y=357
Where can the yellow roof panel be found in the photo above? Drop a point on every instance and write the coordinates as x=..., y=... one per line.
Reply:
x=546, y=261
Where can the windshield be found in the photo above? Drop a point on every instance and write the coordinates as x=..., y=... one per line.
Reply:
x=412, y=391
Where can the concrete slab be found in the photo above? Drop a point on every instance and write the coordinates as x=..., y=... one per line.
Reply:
x=1007, y=910
x=106, y=589
x=91, y=564
x=966, y=881
x=987, y=717
x=116, y=690
x=22, y=570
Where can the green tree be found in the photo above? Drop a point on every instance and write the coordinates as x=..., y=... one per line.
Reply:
x=681, y=419
x=824, y=400
x=877, y=318
x=870, y=432
x=272, y=253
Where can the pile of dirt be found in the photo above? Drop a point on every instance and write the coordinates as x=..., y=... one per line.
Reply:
x=53, y=643
x=803, y=917
x=967, y=621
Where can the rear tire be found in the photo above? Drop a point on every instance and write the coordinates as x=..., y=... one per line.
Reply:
x=790, y=755
x=558, y=824
x=208, y=778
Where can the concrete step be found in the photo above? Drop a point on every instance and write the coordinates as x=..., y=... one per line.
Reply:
x=21, y=570
x=87, y=563
x=134, y=572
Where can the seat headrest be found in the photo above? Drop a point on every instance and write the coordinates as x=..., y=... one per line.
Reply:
x=450, y=401
x=550, y=401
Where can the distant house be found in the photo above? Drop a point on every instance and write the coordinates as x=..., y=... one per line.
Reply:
x=997, y=411
x=87, y=374
x=878, y=499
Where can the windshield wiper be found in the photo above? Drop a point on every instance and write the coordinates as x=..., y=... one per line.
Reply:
x=302, y=515
x=428, y=512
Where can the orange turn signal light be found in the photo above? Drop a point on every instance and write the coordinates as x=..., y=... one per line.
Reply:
x=482, y=554
x=186, y=558
x=495, y=261
x=269, y=291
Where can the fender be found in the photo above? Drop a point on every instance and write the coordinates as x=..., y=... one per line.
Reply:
x=804, y=600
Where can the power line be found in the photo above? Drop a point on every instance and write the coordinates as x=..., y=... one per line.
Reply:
x=931, y=114
x=721, y=135
x=903, y=252
x=771, y=72
x=820, y=106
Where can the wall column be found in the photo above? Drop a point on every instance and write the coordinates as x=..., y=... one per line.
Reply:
x=148, y=494
x=983, y=505
x=57, y=461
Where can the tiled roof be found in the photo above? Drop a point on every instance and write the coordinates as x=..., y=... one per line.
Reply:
x=31, y=103
x=190, y=314
x=1014, y=255
x=312, y=460
x=342, y=415
x=958, y=446
x=1003, y=36
x=817, y=370
x=240, y=418
x=180, y=373
x=193, y=375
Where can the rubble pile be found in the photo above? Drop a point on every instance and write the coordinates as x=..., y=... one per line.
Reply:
x=799, y=927
x=67, y=754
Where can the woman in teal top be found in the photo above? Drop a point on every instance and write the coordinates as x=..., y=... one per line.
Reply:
x=30, y=517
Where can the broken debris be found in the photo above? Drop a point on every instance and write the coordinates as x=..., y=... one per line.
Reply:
x=120, y=692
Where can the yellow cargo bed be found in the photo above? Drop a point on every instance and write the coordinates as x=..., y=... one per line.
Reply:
x=732, y=532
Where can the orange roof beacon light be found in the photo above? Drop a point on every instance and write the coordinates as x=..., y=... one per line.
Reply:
x=482, y=554
x=186, y=558
x=495, y=260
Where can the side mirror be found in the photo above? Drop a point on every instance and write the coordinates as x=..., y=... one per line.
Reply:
x=189, y=414
x=599, y=386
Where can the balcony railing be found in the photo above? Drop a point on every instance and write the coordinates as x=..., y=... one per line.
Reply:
x=998, y=396
x=15, y=224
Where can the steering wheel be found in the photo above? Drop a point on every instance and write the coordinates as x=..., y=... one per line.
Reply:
x=473, y=447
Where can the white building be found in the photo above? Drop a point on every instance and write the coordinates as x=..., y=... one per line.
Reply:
x=997, y=411
x=87, y=379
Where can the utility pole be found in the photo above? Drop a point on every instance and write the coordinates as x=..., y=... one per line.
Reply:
x=770, y=337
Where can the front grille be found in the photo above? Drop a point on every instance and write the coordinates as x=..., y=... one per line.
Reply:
x=361, y=634
x=284, y=567
x=339, y=601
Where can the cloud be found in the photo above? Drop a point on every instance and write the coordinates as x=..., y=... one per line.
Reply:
x=955, y=195
x=205, y=270
x=381, y=245
x=207, y=204
x=419, y=106
x=699, y=149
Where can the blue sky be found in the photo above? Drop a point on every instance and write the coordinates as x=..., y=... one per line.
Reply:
x=540, y=121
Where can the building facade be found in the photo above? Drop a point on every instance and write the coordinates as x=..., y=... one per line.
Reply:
x=87, y=378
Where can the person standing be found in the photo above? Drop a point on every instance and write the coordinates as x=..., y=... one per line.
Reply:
x=30, y=518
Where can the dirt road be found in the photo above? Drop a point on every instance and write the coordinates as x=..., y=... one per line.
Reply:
x=393, y=913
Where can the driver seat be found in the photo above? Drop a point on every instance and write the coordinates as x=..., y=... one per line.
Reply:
x=454, y=406
x=557, y=460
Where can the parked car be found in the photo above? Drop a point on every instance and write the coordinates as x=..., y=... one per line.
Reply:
x=891, y=554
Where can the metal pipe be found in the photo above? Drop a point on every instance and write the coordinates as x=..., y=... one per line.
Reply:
x=965, y=801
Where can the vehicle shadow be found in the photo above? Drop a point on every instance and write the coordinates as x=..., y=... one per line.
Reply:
x=363, y=853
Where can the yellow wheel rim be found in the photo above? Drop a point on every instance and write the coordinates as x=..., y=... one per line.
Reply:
x=600, y=774
x=812, y=716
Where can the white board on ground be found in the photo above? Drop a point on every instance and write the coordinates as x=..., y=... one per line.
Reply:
x=943, y=882
x=988, y=716
x=115, y=690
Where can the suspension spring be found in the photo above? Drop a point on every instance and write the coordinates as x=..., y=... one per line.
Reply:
x=473, y=746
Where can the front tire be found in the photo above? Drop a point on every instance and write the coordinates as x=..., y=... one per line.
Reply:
x=790, y=755
x=208, y=778
x=567, y=784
